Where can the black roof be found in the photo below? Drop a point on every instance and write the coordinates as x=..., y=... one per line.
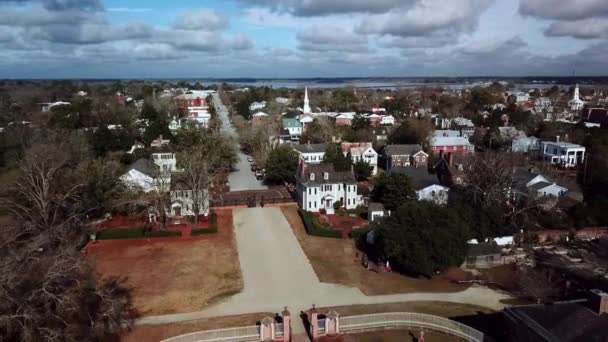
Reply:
x=375, y=206
x=319, y=170
x=484, y=248
x=597, y=116
x=145, y=166
x=421, y=178
x=310, y=148
x=402, y=150
x=563, y=321
x=177, y=181
x=292, y=114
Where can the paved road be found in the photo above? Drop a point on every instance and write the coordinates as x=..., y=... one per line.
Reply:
x=276, y=272
x=242, y=178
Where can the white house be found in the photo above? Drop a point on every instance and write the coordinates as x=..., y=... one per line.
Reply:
x=182, y=199
x=428, y=187
x=375, y=211
x=319, y=187
x=257, y=106
x=361, y=152
x=165, y=159
x=174, y=125
x=387, y=120
x=311, y=153
x=142, y=175
x=562, y=153
x=199, y=115
x=282, y=100
x=527, y=182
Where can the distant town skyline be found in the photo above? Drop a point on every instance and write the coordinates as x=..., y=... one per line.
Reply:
x=302, y=38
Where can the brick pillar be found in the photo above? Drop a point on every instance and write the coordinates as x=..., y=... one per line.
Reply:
x=286, y=324
x=314, y=323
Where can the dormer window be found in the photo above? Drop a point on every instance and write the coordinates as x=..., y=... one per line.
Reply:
x=312, y=176
x=326, y=175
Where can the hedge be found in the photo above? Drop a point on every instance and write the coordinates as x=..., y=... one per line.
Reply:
x=316, y=228
x=133, y=233
x=356, y=234
x=205, y=231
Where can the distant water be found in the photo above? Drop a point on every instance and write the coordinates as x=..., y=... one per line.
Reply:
x=392, y=84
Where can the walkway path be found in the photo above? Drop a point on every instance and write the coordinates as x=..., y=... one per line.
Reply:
x=242, y=178
x=276, y=272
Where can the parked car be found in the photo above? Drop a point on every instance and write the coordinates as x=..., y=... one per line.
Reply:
x=254, y=168
x=259, y=175
x=250, y=159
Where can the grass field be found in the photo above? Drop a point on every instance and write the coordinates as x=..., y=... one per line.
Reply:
x=338, y=261
x=173, y=275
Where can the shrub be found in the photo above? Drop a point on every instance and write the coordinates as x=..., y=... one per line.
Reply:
x=206, y=231
x=133, y=233
x=316, y=228
x=356, y=234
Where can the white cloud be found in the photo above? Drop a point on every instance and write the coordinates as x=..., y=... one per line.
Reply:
x=129, y=9
x=202, y=19
x=564, y=9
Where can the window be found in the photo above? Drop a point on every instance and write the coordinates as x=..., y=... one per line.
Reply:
x=423, y=159
x=315, y=193
x=309, y=204
x=315, y=204
x=326, y=175
x=433, y=193
x=312, y=176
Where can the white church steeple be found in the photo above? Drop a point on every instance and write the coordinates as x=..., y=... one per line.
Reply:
x=576, y=103
x=306, y=102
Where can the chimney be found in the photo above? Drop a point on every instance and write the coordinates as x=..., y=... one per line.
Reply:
x=557, y=138
x=598, y=301
x=450, y=158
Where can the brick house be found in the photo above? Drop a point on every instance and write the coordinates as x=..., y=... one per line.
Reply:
x=403, y=156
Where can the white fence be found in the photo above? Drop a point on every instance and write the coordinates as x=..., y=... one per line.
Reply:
x=409, y=320
x=242, y=334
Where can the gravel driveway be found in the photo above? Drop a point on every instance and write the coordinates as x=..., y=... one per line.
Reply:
x=276, y=272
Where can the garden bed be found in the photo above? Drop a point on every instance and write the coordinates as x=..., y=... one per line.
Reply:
x=315, y=227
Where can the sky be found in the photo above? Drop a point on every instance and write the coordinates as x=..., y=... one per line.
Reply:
x=302, y=38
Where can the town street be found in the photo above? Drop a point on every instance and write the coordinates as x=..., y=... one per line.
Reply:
x=242, y=178
x=276, y=272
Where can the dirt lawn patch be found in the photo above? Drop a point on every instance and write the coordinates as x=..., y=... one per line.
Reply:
x=338, y=261
x=164, y=331
x=442, y=309
x=174, y=276
x=392, y=336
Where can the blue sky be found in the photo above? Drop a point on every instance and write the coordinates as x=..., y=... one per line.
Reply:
x=301, y=38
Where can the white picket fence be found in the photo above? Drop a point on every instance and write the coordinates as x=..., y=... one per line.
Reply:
x=241, y=334
x=409, y=320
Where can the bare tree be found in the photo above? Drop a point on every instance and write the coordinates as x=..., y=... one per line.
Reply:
x=196, y=175
x=488, y=177
x=537, y=284
x=52, y=295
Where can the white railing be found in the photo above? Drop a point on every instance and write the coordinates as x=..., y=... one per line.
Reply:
x=409, y=320
x=279, y=330
x=251, y=333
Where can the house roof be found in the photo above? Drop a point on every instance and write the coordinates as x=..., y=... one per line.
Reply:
x=260, y=114
x=446, y=133
x=563, y=321
x=355, y=148
x=596, y=115
x=375, y=206
x=177, y=181
x=310, y=148
x=145, y=166
x=450, y=141
x=292, y=114
x=421, y=178
x=402, y=150
x=484, y=248
x=319, y=171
